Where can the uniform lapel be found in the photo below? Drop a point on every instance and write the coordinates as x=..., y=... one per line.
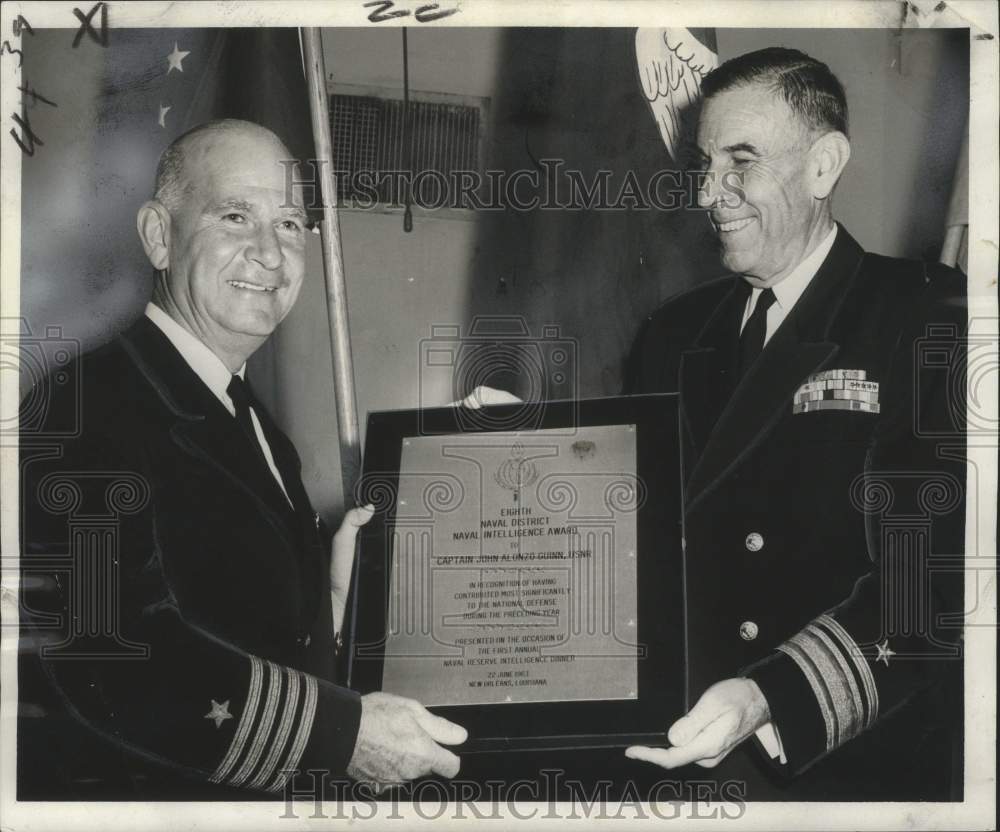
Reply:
x=799, y=347
x=306, y=521
x=707, y=370
x=202, y=427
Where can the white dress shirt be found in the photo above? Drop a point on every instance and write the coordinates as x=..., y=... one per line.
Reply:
x=788, y=291
x=786, y=295
x=210, y=369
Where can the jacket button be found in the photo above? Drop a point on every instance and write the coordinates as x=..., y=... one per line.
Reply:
x=748, y=630
x=754, y=542
x=304, y=641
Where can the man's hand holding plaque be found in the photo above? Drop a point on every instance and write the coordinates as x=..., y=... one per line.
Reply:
x=398, y=741
x=725, y=715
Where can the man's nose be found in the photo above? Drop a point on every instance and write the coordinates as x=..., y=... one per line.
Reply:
x=266, y=249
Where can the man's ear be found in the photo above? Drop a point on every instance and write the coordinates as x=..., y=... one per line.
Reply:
x=828, y=157
x=153, y=224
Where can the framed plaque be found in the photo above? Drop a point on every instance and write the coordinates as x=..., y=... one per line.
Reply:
x=523, y=574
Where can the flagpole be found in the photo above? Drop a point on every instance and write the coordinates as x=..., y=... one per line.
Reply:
x=957, y=217
x=333, y=266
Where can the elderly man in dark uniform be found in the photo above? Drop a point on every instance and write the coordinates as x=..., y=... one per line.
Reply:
x=186, y=648
x=824, y=467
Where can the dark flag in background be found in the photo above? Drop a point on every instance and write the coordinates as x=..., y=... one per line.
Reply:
x=257, y=75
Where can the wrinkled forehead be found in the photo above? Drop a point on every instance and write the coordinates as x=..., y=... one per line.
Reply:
x=752, y=114
x=231, y=162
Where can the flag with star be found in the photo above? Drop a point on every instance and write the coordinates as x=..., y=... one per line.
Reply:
x=252, y=73
x=102, y=115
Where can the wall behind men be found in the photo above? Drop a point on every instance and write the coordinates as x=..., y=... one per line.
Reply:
x=571, y=95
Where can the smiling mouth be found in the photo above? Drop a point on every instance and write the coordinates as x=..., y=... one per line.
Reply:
x=253, y=287
x=732, y=225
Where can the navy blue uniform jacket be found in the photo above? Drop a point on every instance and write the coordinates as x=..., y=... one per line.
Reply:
x=177, y=636
x=824, y=548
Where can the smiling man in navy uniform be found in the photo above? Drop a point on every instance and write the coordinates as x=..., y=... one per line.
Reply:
x=824, y=467
x=180, y=595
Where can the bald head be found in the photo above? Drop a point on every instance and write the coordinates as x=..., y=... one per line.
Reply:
x=226, y=235
x=174, y=180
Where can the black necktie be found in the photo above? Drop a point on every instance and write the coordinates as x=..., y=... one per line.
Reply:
x=752, y=337
x=239, y=392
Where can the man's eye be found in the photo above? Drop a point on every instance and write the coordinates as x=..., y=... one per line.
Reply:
x=291, y=225
x=741, y=161
x=237, y=218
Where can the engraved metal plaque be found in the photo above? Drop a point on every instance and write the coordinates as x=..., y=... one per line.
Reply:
x=523, y=586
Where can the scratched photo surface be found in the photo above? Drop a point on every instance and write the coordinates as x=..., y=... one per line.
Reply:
x=412, y=211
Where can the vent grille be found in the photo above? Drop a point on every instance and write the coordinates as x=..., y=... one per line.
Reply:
x=368, y=145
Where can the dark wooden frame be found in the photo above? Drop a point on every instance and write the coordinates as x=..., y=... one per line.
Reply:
x=662, y=660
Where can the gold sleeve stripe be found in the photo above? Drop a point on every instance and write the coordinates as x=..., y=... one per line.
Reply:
x=291, y=762
x=794, y=648
x=246, y=721
x=839, y=676
x=851, y=650
x=843, y=689
x=264, y=728
x=281, y=735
